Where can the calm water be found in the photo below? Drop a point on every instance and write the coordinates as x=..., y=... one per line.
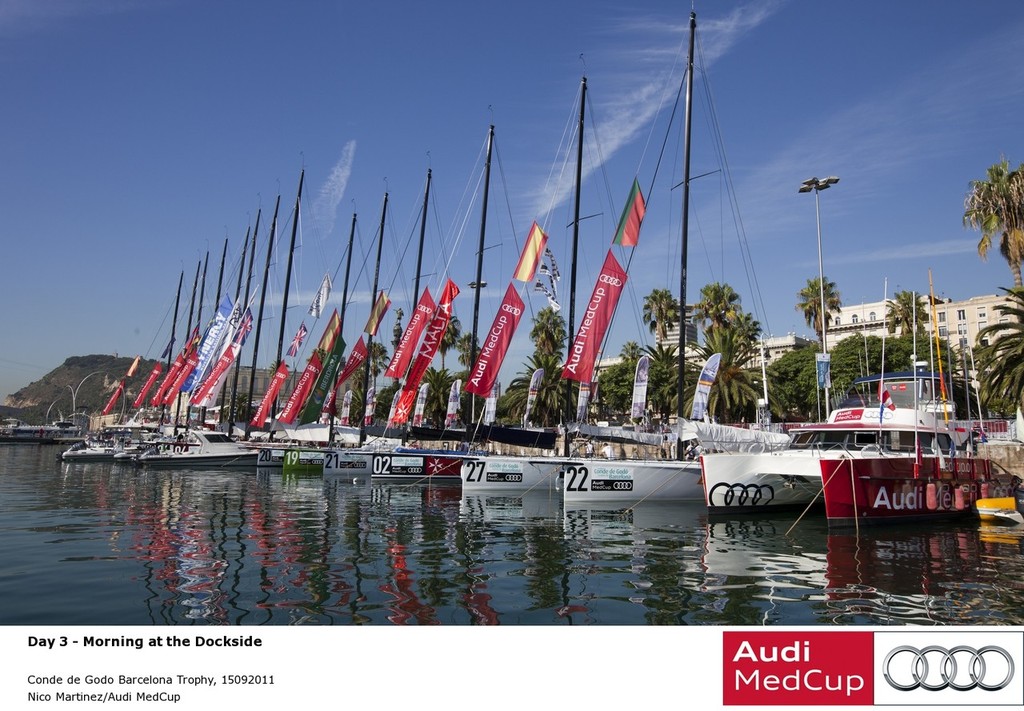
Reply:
x=111, y=544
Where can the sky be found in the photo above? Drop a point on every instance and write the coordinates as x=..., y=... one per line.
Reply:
x=139, y=137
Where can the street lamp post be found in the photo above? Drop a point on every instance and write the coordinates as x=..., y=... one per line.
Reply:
x=817, y=186
x=74, y=391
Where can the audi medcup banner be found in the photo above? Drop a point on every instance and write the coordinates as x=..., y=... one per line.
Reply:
x=495, y=344
x=946, y=667
x=579, y=365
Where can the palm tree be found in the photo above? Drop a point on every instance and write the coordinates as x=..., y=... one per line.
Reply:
x=1000, y=363
x=734, y=394
x=996, y=206
x=663, y=382
x=549, y=400
x=378, y=358
x=810, y=300
x=450, y=337
x=548, y=333
x=906, y=310
x=719, y=306
x=439, y=384
x=630, y=351
x=660, y=312
x=464, y=346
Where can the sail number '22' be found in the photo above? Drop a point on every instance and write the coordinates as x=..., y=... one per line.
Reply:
x=576, y=478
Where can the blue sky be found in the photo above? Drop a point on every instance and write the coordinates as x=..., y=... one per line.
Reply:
x=138, y=136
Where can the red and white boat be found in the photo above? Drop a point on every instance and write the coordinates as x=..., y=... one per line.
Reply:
x=869, y=463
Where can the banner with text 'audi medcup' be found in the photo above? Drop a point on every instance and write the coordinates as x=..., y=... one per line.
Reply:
x=945, y=667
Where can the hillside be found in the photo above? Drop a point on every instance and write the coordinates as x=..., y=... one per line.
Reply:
x=82, y=383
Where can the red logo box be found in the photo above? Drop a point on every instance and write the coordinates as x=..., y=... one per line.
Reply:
x=797, y=668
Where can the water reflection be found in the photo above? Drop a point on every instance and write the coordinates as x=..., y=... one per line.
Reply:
x=100, y=543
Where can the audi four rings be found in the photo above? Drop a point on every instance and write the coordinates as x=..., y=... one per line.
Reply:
x=743, y=494
x=911, y=667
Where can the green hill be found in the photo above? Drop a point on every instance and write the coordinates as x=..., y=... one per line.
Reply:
x=82, y=383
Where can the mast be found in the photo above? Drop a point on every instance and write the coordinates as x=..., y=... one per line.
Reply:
x=423, y=234
x=369, y=336
x=344, y=304
x=480, y=259
x=248, y=282
x=569, y=405
x=681, y=355
x=174, y=323
x=287, y=286
x=259, y=317
x=188, y=332
x=220, y=275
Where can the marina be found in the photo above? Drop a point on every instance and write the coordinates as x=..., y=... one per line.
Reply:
x=104, y=543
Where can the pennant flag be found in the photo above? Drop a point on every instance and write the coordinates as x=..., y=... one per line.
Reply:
x=431, y=340
x=407, y=346
x=380, y=307
x=421, y=405
x=531, y=396
x=707, y=378
x=317, y=397
x=346, y=405
x=260, y=418
x=491, y=406
x=321, y=297
x=210, y=345
x=206, y=394
x=371, y=405
x=640, y=388
x=628, y=233
x=153, y=375
x=495, y=344
x=134, y=367
x=453, y=404
x=532, y=251
x=168, y=350
x=355, y=359
x=583, y=401
x=579, y=365
x=302, y=389
x=552, y=300
x=113, y=398
x=300, y=336
x=886, y=403
x=552, y=265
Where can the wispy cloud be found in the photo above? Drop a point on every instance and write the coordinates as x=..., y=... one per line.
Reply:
x=21, y=16
x=325, y=205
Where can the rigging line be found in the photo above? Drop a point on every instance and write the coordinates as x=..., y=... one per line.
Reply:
x=414, y=226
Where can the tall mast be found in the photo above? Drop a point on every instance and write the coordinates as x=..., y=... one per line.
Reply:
x=220, y=275
x=188, y=334
x=287, y=285
x=344, y=305
x=681, y=355
x=423, y=234
x=259, y=317
x=248, y=282
x=373, y=302
x=480, y=259
x=575, y=244
x=174, y=323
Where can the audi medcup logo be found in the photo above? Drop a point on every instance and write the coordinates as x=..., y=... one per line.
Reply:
x=741, y=494
x=949, y=666
x=971, y=672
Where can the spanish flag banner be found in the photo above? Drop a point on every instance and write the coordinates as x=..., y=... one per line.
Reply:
x=377, y=314
x=533, y=250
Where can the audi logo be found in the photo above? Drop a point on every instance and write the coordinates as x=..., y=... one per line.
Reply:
x=605, y=279
x=743, y=494
x=622, y=485
x=913, y=669
x=514, y=310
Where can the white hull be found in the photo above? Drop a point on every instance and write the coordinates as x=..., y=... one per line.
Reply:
x=597, y=480
x=744, y=483
x=510, y=474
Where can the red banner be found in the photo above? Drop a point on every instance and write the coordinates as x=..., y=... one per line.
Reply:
x=206, y=395
x=172, y=375
x=113, y=398
x=403, y=352
x=148, y=384
x=495, y=344
x=355, y=359
x=191, y=361
x=268, y=400
x=431, y=340
x=610, y=282
x=302, y=390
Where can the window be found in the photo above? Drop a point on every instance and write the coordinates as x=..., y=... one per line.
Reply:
x=981, y=313
x=942, y=317
x=871, y=316
x=837, y=321
x=854, y=319
x=943, y=331
x=961, y=314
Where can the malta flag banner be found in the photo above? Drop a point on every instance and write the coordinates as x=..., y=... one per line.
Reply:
x=431, y=341
x=628, y=233
x=583, y=355
x=495, y=344
x=276, y=382
x=153, y=375
x=533, y=250
x=380, y=307
x=407, y=346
